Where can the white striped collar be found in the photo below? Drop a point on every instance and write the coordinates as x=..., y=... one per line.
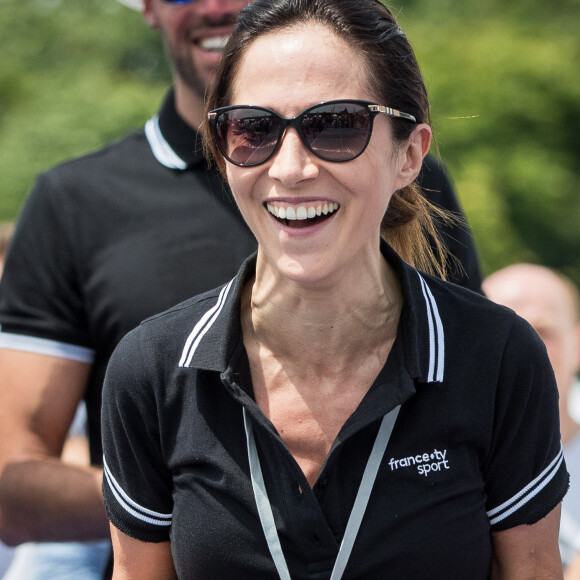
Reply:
x=203, y=326
x=217, y=332
x=160, y=148
x=436, y=335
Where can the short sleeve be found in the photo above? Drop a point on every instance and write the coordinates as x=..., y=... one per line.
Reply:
x=526, y=474
x=137, y=486
x=40, y=291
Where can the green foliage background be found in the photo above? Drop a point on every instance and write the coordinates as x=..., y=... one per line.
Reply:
x=503, y=80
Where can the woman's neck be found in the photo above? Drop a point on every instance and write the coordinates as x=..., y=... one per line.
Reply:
x=326, y=328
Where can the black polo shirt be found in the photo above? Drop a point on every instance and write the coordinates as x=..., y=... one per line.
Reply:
x=475, y=447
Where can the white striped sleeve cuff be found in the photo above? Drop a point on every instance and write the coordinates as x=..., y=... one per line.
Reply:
x=132, y=507
x=521, y=498
x=44, y=346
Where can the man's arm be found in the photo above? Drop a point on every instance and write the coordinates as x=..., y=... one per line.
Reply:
x=528, y=552
x=41, y=497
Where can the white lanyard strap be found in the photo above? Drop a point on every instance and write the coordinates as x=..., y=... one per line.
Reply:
x=358, y=509
x=263, y=503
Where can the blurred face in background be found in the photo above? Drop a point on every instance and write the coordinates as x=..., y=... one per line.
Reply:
x=547, y=303
x=194, y=35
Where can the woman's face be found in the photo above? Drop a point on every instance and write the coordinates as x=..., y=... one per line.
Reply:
x=288, y=71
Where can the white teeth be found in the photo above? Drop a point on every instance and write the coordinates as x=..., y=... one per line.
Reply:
x=301, y=212
x=214, y=42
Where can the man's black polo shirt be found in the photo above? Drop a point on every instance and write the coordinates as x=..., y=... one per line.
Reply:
x=113, y=237
x=475, y=447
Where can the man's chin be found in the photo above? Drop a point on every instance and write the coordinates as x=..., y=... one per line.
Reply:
x=199, y=84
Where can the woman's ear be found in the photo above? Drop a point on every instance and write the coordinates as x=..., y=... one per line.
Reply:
x=412, y=154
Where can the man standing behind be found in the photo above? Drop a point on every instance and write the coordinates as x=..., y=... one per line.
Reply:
x=551, y=304
x=103, y=242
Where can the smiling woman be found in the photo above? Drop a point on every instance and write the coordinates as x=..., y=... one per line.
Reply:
x=309, y=73
x=330, y=375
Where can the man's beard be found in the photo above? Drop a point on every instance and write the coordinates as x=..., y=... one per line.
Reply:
x=187, y=71
x=183, y=65
x=182, y=62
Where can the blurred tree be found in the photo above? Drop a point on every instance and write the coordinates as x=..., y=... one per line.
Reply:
x=505, y=94
x=503, y=80
x=73, y=75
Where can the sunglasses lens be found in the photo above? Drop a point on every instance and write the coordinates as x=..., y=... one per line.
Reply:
x=247, y=136
x=337, y=131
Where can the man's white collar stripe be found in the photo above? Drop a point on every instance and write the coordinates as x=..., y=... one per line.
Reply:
x=436, y=335
x=202, y=327
x=160, y=147
x=132, y=507
x=525, y=495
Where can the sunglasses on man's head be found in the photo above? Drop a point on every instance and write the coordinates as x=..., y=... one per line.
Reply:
x=248, y=135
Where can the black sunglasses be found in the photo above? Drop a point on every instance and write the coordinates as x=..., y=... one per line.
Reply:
x=248, y=135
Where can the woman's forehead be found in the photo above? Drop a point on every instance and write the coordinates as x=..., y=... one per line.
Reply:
x=303, y=59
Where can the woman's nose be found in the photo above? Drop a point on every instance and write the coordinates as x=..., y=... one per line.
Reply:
x=293, y=162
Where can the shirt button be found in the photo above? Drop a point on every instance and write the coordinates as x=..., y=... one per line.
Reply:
x=323, y=481
x=299, y=494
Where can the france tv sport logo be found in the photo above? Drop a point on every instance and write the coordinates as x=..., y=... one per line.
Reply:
x=426, y=463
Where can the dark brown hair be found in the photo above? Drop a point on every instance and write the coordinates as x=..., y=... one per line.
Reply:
x=394, y=78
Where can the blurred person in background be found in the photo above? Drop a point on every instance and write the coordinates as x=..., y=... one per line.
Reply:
x=550, y=302
x=52, y=560
x=63, y=560
x=103, y=242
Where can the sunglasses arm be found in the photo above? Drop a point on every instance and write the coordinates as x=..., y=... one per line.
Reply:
x=391, y=112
